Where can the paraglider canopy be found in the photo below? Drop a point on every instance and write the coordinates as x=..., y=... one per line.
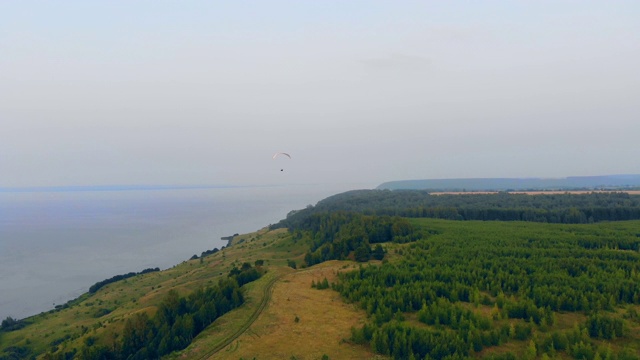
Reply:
x=281, y=153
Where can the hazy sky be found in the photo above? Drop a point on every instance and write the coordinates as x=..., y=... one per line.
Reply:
x=204, y=92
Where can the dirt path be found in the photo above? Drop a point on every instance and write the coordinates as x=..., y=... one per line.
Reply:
x=266, y=297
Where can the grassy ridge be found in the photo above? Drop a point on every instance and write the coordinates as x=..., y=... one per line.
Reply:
x=102, y=315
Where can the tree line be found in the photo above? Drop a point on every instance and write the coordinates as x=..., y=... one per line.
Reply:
x=176, y=322
x=551, y=208
x=341, y=235
x=100, y=284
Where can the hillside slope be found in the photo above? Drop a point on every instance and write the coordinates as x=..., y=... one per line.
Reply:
x=99, y=318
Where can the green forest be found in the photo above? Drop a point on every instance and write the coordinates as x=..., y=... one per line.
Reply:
x=466, y=289
x=552, y=208
x=478, y=285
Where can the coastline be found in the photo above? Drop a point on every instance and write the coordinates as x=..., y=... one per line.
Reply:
x=57, y=244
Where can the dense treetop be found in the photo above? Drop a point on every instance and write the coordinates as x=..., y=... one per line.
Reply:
x=552, y=208
x=476, y=287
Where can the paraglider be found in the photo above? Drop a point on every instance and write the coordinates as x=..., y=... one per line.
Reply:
x=281, y=154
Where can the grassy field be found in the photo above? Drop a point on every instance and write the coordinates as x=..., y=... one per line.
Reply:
x=302, y=322
x=102, y=315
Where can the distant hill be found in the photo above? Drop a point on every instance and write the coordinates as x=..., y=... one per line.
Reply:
x=608, y=182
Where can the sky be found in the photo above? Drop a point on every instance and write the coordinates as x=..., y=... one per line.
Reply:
x=205, y=92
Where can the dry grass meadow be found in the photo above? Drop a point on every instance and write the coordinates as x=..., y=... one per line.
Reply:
x=323, y=323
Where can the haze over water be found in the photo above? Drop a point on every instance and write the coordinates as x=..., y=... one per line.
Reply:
x=54, y=245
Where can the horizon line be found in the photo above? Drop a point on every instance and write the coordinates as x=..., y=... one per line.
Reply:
x=133, y=187
x=130, y=187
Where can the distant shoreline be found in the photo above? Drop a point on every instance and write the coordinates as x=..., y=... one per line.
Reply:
x=570, y=183
x=229, y=238
x=536, y=192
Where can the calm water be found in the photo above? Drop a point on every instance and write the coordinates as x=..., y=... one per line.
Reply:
x=54, y=245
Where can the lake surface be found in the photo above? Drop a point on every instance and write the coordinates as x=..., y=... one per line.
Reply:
x=55, y=245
